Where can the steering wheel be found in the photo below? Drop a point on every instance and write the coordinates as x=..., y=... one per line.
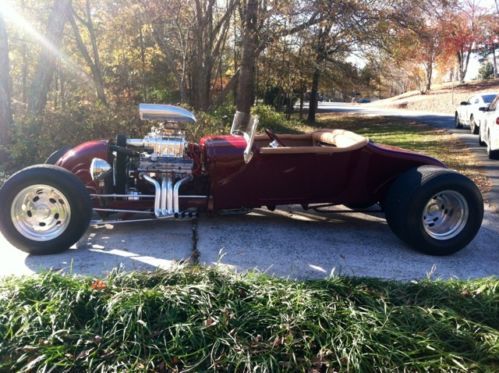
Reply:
x=273, y=137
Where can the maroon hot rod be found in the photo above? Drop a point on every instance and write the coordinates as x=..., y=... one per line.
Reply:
x=47, y=208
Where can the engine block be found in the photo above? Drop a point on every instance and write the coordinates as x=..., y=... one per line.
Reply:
x=164, y=152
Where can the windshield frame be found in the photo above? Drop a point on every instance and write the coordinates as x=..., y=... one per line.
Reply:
x=245, y=125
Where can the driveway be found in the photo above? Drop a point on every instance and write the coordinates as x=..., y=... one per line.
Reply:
x=288, y=242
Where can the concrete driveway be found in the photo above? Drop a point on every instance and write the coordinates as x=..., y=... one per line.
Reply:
x=288, y=242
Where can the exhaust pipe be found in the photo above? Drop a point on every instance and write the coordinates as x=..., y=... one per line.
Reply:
x=157, y=195
x=176, y=190
x=166, y=196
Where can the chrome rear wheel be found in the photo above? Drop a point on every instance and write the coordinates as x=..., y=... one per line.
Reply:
x=445, y=215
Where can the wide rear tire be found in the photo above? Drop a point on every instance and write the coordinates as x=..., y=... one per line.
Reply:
x=44, y=209
x=434, y=210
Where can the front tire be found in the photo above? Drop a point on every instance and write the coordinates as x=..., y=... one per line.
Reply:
x=44, y=209
x=434, y=210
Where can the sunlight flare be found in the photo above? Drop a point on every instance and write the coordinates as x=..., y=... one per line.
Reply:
x=23, y=25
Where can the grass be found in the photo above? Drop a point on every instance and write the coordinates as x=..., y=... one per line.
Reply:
x=202, y=319
x=404, y=133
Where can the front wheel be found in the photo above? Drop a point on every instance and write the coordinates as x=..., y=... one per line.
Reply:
x=435, y=210
x=44, y=209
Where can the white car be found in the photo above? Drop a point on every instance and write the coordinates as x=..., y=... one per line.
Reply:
x=489, y=128
x=468, y=111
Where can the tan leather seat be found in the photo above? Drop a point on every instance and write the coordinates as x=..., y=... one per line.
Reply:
x=340, y=138
x=325, y=141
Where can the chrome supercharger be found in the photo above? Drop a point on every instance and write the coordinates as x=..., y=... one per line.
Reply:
x=161, y=160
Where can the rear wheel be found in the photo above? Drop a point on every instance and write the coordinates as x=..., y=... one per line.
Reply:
x=493, y=154
x=435, y=210
x=44, y=209
x=457, y=123
x=473, y=127
x=480, y=140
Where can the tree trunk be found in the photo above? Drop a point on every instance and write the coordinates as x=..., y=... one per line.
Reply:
x=97, y=69
x=96, y=73
x=313, y=102
x=463, y=57
x=143, y=64
x=429, y=75
x=25, y=61
x=5, y=103
x=302, y=99
x=246, y=86
x=494, y=59
x=321, y=56
x=47, y=62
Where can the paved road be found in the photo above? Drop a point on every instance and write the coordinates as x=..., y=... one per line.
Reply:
x=288, y=242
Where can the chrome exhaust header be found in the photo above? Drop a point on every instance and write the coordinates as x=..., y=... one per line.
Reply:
x=167, y=196
x=176, y=190
x=157, y=195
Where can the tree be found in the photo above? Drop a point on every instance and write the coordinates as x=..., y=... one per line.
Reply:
x=44, y=73
x=246, y=85
x=264, y=24
x=5, y=99
x=461, y=35
x=92, y=62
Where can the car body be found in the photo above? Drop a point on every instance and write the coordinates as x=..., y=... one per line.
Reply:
x=162, y=176
x=489, y=128
x=468, y=113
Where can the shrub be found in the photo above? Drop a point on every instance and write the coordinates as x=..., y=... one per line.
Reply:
x=271, y=119
x=33, y=139
x=486, y=71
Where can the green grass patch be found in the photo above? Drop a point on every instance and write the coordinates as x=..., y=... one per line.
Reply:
x=202, y=319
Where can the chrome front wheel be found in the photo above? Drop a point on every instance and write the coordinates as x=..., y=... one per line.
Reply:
x=44, y=209
x=40, y=212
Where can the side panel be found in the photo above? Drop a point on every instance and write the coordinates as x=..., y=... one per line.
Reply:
x=78, y=159
x=353, y=177
x=233, y=183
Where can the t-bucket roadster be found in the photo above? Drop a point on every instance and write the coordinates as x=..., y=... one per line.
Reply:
x=47, y=208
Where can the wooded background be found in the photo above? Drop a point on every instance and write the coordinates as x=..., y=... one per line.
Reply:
x=72, y=70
